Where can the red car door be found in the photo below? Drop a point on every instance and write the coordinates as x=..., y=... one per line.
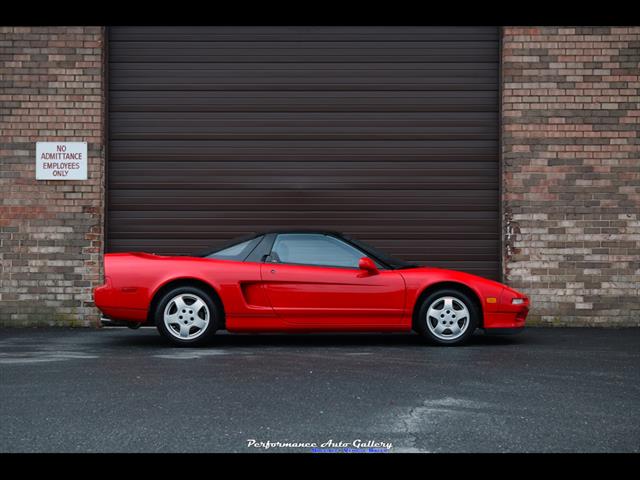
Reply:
x=327, y=295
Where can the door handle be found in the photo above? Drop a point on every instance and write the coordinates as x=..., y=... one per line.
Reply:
x=273, y=270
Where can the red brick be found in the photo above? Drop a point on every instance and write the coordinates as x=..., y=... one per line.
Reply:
x=35, y=224
x=587, y=125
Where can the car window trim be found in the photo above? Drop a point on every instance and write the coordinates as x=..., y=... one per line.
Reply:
x=262, y=249
x=252, y=249
x=312, y=265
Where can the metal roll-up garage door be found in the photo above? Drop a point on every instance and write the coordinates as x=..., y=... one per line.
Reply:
x=389, y=134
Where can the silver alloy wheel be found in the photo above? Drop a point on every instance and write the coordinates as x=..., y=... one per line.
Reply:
x=447, y=318
x=186, y=316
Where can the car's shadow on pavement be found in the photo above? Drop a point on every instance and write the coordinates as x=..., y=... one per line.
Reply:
x=151, y=339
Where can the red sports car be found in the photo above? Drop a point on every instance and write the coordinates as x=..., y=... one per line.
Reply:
x=302, y=281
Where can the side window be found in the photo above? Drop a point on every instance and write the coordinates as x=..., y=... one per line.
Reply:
x=238, y=251
x=315, y=249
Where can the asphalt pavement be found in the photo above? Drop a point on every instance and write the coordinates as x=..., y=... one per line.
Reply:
x=120, y=390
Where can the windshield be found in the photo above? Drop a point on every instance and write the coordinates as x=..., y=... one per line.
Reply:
x=393, y=262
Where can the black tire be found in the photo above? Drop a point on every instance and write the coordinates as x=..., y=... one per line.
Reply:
x=209, y=330
x=432, y=299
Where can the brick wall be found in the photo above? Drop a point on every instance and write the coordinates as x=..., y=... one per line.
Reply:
x=51, y=89
x=571, y=169
x=571, y=173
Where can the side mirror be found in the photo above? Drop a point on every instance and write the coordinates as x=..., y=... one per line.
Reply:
x=368, y=266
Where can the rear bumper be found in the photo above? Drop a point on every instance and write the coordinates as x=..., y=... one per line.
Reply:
x=103, y=294
x=108, y=322
x=130, y=315
x=106, y=299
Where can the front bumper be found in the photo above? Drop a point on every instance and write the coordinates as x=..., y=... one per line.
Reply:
x=506, y=317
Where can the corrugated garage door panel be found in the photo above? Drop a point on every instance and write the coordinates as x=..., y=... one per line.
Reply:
x=388, y=133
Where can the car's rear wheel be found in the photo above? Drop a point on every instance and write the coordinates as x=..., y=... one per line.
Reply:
x=447, y=317
x=187, y=316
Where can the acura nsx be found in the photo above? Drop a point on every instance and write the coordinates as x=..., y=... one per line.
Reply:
x=302, y=281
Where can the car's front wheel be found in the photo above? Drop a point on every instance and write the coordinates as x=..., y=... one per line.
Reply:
x=447, y=317
x=186, y=316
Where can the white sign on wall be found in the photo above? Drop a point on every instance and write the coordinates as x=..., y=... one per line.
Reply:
x=61, y=160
